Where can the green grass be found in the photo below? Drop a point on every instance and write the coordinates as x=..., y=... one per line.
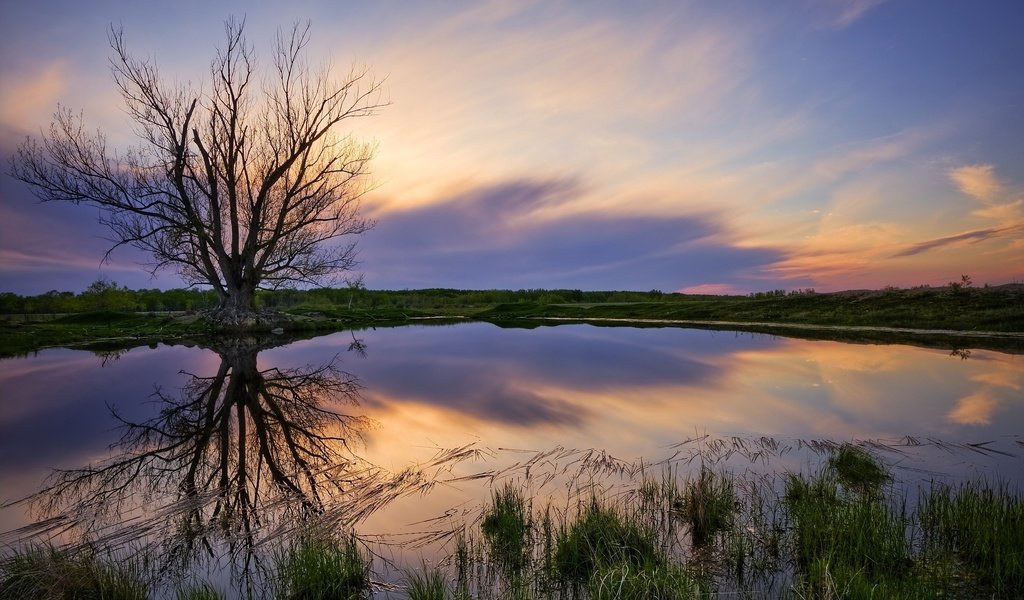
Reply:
x=507, y=527
x=601, y=537
x=708, y=506
x=625, y=581
x=857, y=469
x=46, y=572
x=963, y=309
x=322, y=567
x=199, y=591
x=980, y=527
x=429, y=583
x=846, y=542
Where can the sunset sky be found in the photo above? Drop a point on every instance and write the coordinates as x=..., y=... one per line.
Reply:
x=722, y=147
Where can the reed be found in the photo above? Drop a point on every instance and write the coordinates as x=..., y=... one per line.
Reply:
x=322, y=567
x=429, y=583
x=44, y=572
x=980, y=527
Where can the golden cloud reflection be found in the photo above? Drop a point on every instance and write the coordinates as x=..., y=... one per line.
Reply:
x=788, y=388
x=975, y=409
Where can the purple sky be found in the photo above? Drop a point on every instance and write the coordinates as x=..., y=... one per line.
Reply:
x=702, y=146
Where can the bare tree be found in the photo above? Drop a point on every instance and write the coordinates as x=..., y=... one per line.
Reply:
x=247, y=184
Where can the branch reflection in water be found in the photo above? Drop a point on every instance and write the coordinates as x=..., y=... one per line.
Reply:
x=239, y=459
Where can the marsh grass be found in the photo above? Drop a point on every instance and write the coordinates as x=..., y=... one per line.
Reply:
x=322, y=567
x=857, y=469
x=507, y=526
x=981, y=528
x=603, y=536
x=846, y=542
x=709, y=505
x=199, y=590
x=429, y=583
x=624, y=581
x=45, y=572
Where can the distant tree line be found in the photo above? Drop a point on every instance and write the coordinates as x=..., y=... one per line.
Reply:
x=105, y=295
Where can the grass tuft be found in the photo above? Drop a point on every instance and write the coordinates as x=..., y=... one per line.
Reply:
x=322, y=567
x=981, y=527
x=427, y=584
x=846, y=543
x=507, y=527
x=857, y=469
x=603, y=537
x=629, y=582
x=709, y=505
x=45, y=572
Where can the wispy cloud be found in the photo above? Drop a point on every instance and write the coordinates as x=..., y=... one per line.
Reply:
x=978, y=181
x=967, y=237
x=30, y=99
x=850, y=11
x=975, y=409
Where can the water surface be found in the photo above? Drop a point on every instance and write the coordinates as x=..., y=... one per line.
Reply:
x=336, y=425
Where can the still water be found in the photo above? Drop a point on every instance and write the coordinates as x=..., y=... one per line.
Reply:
x=397, y=432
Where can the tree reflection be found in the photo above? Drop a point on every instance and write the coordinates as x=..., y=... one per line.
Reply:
x=235, y=452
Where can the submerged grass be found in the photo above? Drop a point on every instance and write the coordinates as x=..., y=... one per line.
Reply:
x=46, y=572
x=857, y=469
x=507, y=526
x=709, y=505
x=982, y=529
x=322, y=567
x=429, y=583
x=604, y=537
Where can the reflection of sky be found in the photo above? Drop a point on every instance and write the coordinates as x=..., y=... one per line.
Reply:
x=54, y=412
x=636, y=391
x=632, y=392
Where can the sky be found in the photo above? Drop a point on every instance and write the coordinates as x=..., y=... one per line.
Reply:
x=705, y=146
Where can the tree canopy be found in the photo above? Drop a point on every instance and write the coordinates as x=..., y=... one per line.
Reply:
x=242, y=183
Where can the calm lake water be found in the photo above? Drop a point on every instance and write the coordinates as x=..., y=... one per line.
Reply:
x=387, y=430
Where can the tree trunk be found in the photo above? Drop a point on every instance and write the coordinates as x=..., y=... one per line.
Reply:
x=237, y=310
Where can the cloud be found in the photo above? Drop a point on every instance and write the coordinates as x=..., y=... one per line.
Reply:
x=975, y=409
x=31, y=99
x=715, y=289
x=977, y=181
x=967, y=237
x=513, y=235
x=838, y=14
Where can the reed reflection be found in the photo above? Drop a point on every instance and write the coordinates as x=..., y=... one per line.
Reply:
x=244, y=450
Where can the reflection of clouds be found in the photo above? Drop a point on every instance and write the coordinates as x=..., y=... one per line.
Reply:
x=999, y=388
x=975, y=409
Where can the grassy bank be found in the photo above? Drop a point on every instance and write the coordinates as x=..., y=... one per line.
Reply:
x=958, y=309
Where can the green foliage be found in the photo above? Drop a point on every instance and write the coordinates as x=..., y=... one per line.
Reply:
x=845, y=542
x=199, y=591
x=857, y=469
x=708, y=505
x=507, y=528
x=624, y=581
x=427, y=584
x=602, y=537
x=322, y=567
x=45, y=572
x=981, y=527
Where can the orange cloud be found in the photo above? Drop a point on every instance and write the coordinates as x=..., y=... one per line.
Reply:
x=975, y=409
x=977, y=181
x=31, y=99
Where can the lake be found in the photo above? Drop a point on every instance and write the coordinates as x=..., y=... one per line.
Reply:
x=402, y=433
